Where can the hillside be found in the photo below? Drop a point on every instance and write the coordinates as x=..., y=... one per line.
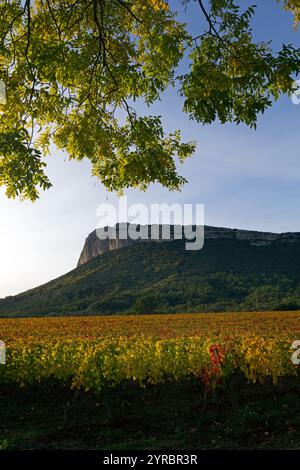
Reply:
x=229, y=273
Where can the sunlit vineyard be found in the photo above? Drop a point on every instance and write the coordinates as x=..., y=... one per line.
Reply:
x=90, y=352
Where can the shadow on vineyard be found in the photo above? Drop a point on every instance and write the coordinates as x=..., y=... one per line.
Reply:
x=174, y=415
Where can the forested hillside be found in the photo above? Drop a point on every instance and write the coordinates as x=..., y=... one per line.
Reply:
x=226, y=275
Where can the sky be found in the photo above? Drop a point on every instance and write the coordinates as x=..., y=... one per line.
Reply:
x=246, y=179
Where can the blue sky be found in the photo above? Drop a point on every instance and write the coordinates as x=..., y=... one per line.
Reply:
x=245, y=178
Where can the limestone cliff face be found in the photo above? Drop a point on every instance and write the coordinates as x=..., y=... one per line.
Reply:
x=95, y=246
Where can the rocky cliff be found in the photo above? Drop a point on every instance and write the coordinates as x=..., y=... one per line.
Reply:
x=236, y=270
x=95, y=246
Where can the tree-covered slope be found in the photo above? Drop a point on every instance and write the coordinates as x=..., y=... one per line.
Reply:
x=164, y=277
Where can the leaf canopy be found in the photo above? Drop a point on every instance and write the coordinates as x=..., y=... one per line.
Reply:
x=73, y=70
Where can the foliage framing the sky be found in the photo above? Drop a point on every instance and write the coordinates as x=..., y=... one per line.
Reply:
x=74, y=68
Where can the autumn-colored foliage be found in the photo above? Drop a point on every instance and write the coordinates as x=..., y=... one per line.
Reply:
x=92, y=351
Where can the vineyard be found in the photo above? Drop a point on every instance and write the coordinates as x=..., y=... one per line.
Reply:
x=92, y=352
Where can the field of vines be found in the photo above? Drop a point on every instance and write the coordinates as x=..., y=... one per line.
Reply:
x=92, y=352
